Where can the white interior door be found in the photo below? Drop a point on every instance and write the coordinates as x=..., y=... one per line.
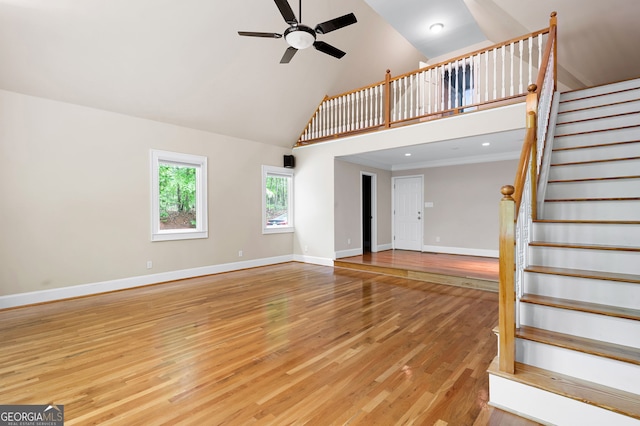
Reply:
x=407, y=212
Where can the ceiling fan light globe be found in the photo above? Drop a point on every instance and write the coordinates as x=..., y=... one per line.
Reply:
x=300, y=37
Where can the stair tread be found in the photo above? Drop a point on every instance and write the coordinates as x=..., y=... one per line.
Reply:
x=590, y=346
x=606, y=222
x=583, y=273
x=597, y=106
x=594, y=179
x=604, y=117
x=584, y=246
x=627, y=89
x=575, y=305
x=615, y=400
x=574, y=163
x=560, y=200
x=599, y=145
x=596, y=131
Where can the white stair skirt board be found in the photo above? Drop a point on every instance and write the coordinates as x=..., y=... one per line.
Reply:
x=550, y=408
x=567, y=107
x=588, y=233
x=594, y=189
x=621, y=262
x=605, y=292
x=605, y=371
x=595, y=170
x=609, y=152
x=601, y=90
x=598, y=124
x=624, y=134
x=620, y=331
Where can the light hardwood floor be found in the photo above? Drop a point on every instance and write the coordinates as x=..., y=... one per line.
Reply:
x=284, y=344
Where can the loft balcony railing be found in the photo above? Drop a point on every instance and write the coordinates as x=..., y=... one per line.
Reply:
x=490, y=77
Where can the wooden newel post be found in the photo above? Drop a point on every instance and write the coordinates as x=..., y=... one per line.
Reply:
x=387, y=99
x=506, y=313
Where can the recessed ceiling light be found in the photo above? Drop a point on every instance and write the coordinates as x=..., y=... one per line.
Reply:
x=408, y=154
x=436, y=28
x=486, y=143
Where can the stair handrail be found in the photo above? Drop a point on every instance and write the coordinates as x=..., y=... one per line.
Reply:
x=518, y=207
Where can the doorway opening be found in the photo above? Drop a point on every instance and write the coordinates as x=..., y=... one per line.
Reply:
x=368, y=209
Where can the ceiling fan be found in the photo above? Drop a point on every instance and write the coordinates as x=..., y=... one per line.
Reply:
x=300, y=36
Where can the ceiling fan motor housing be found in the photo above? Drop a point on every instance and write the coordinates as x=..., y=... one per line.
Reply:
x=300, y=36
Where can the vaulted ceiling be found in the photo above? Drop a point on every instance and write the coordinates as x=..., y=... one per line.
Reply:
x=182, y=62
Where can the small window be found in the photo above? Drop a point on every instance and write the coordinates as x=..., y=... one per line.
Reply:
x=179, y=196
x=277, y=200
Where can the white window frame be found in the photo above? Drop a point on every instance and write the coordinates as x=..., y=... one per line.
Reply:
x=281, y=172
x=179, y=159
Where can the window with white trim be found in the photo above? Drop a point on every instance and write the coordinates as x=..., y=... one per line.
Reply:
x=178, y=196
x=277, y=199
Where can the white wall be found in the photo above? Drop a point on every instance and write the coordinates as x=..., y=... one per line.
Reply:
x=315, y=168
x=464, y=216
x=75, y=187
x=348, y=204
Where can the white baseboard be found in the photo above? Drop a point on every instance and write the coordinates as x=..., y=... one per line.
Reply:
x=348, y=253
x=323, y=261
x=30, y=298
x=383, y=247
x=461, y=250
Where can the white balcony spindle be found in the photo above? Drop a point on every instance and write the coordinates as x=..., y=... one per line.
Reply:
x=520, y=87
x=495, y=74
x=504, y=82
x=511, y=59
x=530, y=63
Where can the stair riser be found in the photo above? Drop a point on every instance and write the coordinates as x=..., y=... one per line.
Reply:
x=587, y=233
x=592, y=210
x=607, y=372
x=604, y=101
x=550, y=408
x=620, y=331
x=594, y=189
x=601, y=90
x=597, y=153
x=621, y=262
x=598, y=124
x=587, y=139
x=595, y=170
x=612, y=293
x=601, y=111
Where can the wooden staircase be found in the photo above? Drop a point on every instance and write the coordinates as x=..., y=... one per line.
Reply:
x=578, y=342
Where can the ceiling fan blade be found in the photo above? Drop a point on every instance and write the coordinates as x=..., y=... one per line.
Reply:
x=288, y=54
x=286, y=12
x=336, y=23
x=328, y=49
x=258, y=34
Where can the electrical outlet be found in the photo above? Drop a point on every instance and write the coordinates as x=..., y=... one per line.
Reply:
x=239, y=253
x=437, y=239
x=306, y=249
x=348, y=241
x=149, y=264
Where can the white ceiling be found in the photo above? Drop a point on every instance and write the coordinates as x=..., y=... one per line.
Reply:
x=182, y=62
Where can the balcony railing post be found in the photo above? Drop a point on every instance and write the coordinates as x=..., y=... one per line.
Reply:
x=387, y=99
x=506, y=315
x=553, y=32
x=532, y=110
